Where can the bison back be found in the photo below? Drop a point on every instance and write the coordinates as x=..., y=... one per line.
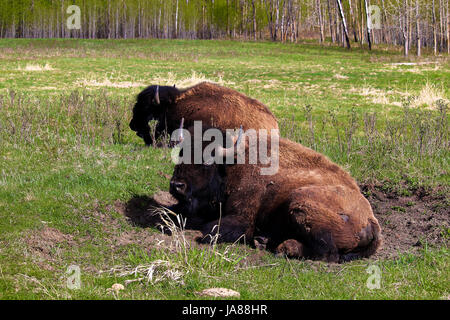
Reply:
x=221, y=107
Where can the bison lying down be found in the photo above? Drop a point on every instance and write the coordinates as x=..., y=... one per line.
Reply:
x=213, y=104
x=311, y=208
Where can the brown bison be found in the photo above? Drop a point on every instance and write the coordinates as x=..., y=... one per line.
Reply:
x=213, y=104
x=310, y=208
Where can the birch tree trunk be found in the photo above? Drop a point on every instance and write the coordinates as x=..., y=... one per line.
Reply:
x=319, y=14
x=352, y=17
x=441, y=25
x=269, y=13
x=369, y=25
x=333, y=39
x=344, y=23
x=404, y=28
x=448, y=28
x=408, y=15
x=418, y=29
x=386, y=36
x=176, y=20
x=228, y=18
x=277, y=18
x=359, y=19
x=254, y=19
x=434, y=29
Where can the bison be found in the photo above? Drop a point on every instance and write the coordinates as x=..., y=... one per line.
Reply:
x=213, y=104
x=311, y=208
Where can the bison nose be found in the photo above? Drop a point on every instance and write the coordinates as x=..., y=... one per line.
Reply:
x=178, y=187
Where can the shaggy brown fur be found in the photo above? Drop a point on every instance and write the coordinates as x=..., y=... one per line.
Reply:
x=212, y=104
x=311, y=203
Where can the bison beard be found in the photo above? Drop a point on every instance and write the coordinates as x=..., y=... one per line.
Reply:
x=212, y=104
x=310, y=209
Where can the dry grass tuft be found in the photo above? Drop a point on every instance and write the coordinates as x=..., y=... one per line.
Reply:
x=428, y=96
x=172, y=79
x=375, y=95
x=109, y=83
x=339, y=76
x=154, y=272
x=36, y=67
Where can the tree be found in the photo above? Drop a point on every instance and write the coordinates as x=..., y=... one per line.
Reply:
x=448, y=28
x=418, y=29
x=278, y=20
x=332, y=33
x=368, y=23
x=434, y=29
x=404, y=25
x=344, y=24
x=353, y=18
x=319, y=15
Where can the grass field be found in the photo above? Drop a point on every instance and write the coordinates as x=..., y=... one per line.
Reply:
x=71, y=170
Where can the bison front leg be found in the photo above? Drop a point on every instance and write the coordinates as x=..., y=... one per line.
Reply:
x=229, y=229
x=238, y=220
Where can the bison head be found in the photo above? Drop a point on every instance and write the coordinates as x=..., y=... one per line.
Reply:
x=151, y=105
x=200, y=188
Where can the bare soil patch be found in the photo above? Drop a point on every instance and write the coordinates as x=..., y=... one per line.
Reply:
x=45, y=246
x=409, y=222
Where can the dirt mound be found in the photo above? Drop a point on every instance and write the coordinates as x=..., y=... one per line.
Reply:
x=45, y=245
x=409, y=222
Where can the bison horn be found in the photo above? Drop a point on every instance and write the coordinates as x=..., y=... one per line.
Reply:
x=181, y=137
x=157, y=95
x=225, y=152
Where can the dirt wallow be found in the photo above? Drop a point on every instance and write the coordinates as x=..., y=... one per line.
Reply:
x=409, y=222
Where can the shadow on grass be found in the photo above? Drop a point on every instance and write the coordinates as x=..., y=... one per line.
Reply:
x=143, y=212
x=140, y=210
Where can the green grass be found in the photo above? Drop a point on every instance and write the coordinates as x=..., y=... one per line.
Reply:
x=67, y=158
